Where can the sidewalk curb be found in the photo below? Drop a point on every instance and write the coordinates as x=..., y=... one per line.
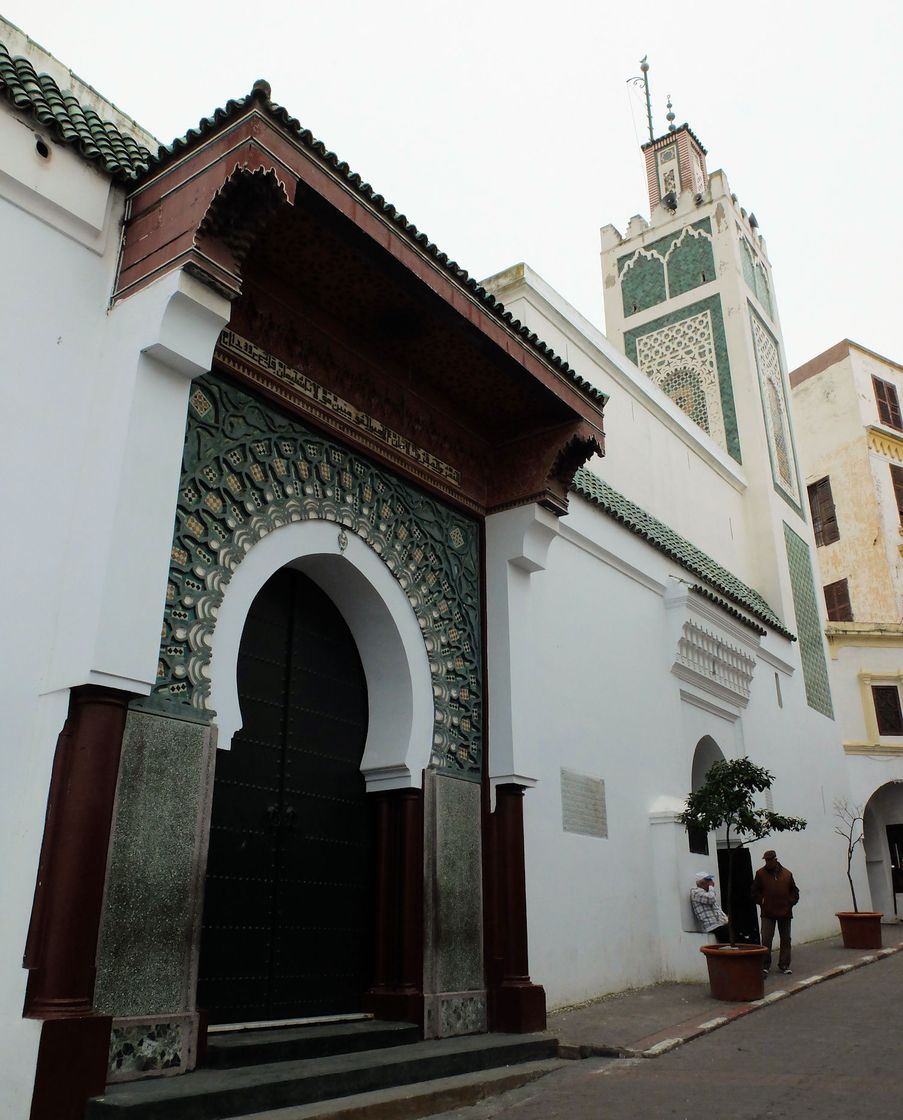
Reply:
x=697, y=1030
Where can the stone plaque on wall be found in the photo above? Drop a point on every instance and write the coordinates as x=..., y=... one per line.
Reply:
x=583, y=804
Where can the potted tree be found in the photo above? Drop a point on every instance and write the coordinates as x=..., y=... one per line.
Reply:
x=726, y=800
x=860, y=929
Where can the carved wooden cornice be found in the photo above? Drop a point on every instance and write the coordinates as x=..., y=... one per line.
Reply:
x=422, y=367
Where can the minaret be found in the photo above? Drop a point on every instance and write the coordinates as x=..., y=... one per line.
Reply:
x=689, y=298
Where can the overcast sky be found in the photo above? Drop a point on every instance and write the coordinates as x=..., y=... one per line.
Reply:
x=507, y=131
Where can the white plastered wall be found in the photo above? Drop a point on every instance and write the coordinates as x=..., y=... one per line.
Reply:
x=96, y=401
x=644, y=426
x=593, y=666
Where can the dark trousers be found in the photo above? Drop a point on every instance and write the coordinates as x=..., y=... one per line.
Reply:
x=783, y=925
x=722, y=934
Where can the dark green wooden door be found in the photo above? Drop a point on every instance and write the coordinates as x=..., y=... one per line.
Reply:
x=288, y=905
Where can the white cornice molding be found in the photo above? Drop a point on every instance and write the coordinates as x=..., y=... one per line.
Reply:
x=729, y=713
x=568, y=533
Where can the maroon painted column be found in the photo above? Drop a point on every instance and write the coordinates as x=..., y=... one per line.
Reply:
x=397, y=991
x=518, y=1004
x=62, y=938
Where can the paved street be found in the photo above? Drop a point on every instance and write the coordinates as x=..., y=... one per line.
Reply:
x=832, y=1052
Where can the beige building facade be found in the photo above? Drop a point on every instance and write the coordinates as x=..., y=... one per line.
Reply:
x=846, y=403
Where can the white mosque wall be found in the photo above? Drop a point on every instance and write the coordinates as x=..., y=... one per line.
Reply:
x=596, y=654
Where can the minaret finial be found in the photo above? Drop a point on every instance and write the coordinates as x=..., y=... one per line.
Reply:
x=670, y=115
x=644, y=66
x=644, y=80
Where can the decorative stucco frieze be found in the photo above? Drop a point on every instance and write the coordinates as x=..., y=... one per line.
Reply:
x=247, y=471
x=685, y=353
x=706, y=658
x=715, y=653
x=680, y=359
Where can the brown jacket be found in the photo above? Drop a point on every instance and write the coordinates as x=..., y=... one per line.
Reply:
x=775, y=891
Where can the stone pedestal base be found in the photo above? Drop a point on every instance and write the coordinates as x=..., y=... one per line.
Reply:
x=447, y=1014
x=153, y=1046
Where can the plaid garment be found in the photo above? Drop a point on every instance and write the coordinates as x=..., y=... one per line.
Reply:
x=706, y=909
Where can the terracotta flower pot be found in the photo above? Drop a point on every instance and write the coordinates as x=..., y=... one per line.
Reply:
x=860, y=929
x=735, y=972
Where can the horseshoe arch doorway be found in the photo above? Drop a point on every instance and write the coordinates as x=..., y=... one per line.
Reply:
x=289, y=897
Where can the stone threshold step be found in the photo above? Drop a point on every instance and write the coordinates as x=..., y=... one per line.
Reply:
x=424, y=1098
x=282, y=1044
x=213, y=1094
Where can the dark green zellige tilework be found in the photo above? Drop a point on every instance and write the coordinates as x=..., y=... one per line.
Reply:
x=712, y=304
x=643, y=284
x=763, y=291
x=755, y=275
x=247, y=471
x=746, y=259
x=808, y=624
x=690, y=264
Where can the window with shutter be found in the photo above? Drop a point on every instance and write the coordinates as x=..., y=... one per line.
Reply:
x=888, y=403
x=896, y=474
x=698, y=840
x=837, y=600
x=824, y=516
x=887, y=709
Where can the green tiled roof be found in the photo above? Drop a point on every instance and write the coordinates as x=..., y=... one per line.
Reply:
x=124, y=158
x=675, y=546
x=59, y=111
x=726, y=606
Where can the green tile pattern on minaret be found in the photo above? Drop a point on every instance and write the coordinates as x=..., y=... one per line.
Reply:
x=713, y=305
x=755, y=275
x=808, y=624
x=667, y=267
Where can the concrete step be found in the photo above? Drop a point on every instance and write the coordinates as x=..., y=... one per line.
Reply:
x=425, y=1098
x=214, y=1094
x=285, y=1044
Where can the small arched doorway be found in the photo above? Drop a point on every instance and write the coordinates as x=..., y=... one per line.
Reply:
x=707, y=753
x=743, y=912
x=288, y=910
x=883, y=844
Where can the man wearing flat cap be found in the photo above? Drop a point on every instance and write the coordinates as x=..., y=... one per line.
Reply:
x=706, y=910
x=776, y=892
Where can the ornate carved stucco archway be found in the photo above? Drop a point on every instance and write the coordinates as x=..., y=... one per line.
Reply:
x=247, y=471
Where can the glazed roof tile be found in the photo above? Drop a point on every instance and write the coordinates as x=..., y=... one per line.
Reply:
x=58, y=110
x=125, y=159
x=678, y=548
